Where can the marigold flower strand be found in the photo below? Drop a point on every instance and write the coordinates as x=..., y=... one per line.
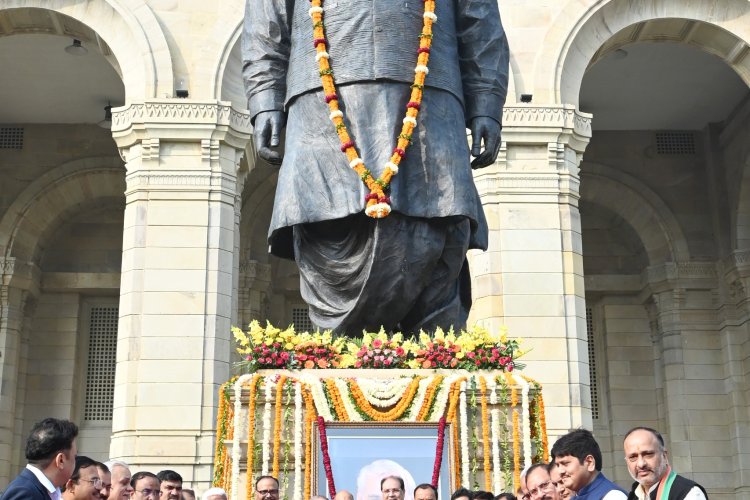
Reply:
x=278, y=425
x=485, y=434
x=249, y=486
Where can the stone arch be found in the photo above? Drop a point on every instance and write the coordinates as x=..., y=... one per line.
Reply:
x=132, y=32
x=37, y=211
x=653, y=221
x=577, y=35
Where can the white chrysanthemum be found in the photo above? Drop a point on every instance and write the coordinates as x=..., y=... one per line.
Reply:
x=410, y=119
x=421, y=68
x=430, y=15
x=378, y=210
x=336, y=114
x=392, y=166
x=321, y=55
x=315, y=10
x=355, y=162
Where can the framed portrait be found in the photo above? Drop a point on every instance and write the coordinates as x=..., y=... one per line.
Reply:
x=363, y=453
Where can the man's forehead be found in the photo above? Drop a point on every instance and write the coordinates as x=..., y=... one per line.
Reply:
x=392, y=481
x=641, y=438
x=267, y=481
x=538, y=475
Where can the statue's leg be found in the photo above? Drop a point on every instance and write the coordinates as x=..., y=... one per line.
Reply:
x=446, y=299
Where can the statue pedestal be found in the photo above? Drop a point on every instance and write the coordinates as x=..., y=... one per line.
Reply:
x=487, y=424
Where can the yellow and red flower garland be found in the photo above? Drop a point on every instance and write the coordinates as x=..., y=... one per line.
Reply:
x=378, y=203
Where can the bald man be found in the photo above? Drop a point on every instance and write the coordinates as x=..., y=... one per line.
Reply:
x=343, y=495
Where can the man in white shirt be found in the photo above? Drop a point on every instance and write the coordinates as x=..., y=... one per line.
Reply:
x=648, y=463
x=121, y=488
x=51, y=451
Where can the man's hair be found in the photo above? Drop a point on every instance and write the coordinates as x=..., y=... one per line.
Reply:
x=657, y=435
x=482, y=495
x=579, y=443
x=423, y=486
x=169, y=475
x=461, y=492
x=506, y=496
x=213, y=491
x=81, y=462
x=103, y=466
x=48, y=438
x=397, y=478
x=111, y=464
x=265, y=477
x=140, y=475
x=534, y=467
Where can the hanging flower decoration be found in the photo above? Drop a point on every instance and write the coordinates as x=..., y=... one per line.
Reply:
x=326, y=457
x=438, y=452
x=378, y=203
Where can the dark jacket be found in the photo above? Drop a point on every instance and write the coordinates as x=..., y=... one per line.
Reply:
x=597, y=488
x=371, y=40
x=25, y=487
x=680, y=487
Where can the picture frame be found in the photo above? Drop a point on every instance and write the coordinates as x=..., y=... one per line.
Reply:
x=361, y=453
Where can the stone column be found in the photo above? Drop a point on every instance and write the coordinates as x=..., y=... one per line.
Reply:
x=255, y=280
x=531, y=278
x=178, y=274
x=18, y=285
x=682, y=307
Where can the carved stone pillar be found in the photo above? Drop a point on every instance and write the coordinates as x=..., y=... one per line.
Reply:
x=531, y=278
x=18, y=284
x=178, y=275
x=682, y=303
x=255, y=281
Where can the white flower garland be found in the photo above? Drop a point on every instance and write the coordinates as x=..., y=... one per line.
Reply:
x=525, y=420
x=495, y=434
x=418, y=401
x=352, y=413
x=298, y=426
x=267, y=425
x=441, y=399
x=319, y=397
x=463, y=409
x=238, y=433
x=383, y=393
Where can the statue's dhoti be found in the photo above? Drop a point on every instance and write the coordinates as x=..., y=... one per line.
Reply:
x=401, y=273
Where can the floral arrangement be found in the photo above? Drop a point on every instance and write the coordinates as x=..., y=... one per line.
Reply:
x=472, y=349
x=272, y=411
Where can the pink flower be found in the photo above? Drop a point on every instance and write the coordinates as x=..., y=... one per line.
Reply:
x=400, y=351
x=377, y=343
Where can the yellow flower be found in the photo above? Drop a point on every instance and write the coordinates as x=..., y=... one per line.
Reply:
x=240, y=337
x=424, y=338
x=289, y=346
x=399, y=337
x=460, y=355
x=414, y=364
x=382, y=335
x=352, y=347
x=367, y=339
x=348, y=360
x=439, y=335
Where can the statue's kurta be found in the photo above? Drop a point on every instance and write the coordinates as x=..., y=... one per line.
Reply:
x=372, y=47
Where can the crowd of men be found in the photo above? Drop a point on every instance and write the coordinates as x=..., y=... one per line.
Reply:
x=55, y=471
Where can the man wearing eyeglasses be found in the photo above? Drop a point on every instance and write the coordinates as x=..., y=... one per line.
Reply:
x=392, y=488
x=145, y=486
x=266, y=487
x=539, y=483
x=84, y=483
x=106, y=478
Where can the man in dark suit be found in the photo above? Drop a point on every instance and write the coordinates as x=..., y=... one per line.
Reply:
x=407, y=271
x=648, y=463
x=50, y=452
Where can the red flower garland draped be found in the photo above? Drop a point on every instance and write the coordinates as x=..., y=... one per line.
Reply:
x=326, y=457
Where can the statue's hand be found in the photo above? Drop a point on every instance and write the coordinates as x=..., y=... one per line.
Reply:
x=484, y=128
x=268, y=125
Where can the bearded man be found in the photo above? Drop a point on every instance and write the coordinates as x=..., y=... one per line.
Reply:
x=648, y=464
x=406, y=271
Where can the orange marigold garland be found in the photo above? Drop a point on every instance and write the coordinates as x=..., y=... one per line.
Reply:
x=249, y=486
x=485, y=434
x=278, y=424
x=335, y=398
x=222, y=430
x=455, y=393
x=393, y=414
x=429, y=397
x=310, y=418
x=516, y=432
x=378, y=202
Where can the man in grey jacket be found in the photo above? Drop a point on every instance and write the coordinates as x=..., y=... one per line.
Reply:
x=406, y=271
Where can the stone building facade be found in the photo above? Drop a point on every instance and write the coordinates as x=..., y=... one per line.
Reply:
x=619, y=224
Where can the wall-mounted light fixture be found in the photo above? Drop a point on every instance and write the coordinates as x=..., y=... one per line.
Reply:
x=107, y=122
x=76, y=48
x=526, y=97
x=181, y=89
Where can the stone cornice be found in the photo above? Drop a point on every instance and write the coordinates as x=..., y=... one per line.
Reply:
x=561, y=123
x=180, y=120
x=672, y=275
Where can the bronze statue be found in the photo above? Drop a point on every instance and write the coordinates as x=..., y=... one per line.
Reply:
x=408, y=270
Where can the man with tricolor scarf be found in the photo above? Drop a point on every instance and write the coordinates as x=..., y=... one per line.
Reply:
x=646, y=457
